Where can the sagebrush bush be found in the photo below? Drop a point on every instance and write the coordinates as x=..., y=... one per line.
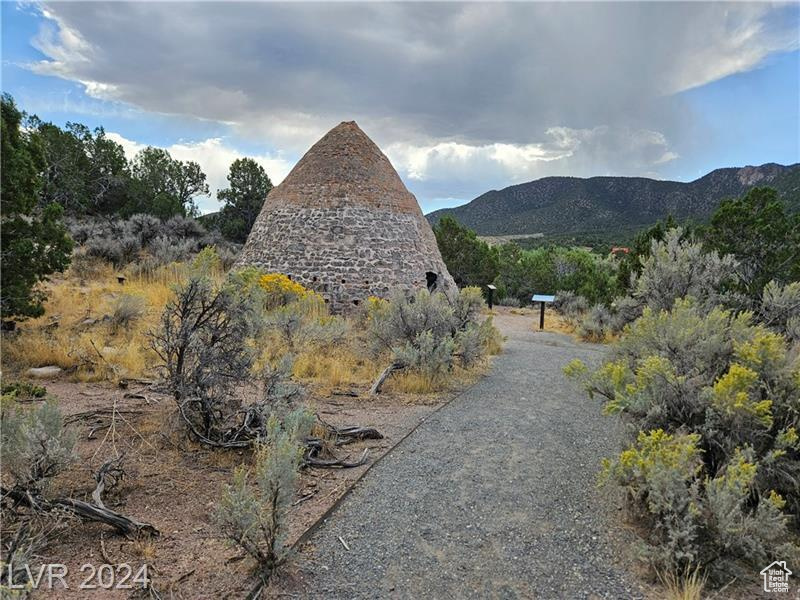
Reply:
x=509, y=301
x=144, y=237
x=427, y=354
x=164, y=249
x=596, y=324
x=677, y=268
x=716, y=466
x=475, y=341
x=36, y=447
x=427, y=332
x=399, y=320
x=570, y=305
x=780, y=309
x=144, y=227
x=109, y=250
x=254, y=517
x=625, y=309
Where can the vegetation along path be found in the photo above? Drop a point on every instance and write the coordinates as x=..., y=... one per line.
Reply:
x=494, y=496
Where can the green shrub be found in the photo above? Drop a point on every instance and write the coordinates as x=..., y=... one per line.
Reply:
x=428, y=332
x=253, y=511
x=23, y=390
x=35, y=445
x=544, y=270
x=509, y=301
x=715, y=470
x=677, y=268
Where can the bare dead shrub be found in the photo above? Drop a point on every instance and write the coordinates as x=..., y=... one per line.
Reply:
x=201, y=343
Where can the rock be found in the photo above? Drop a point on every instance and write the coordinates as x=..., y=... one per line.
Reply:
x=48, y=372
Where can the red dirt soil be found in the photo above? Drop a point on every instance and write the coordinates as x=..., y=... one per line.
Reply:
x=175, y=485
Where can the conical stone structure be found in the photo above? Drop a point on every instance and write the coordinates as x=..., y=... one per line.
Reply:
x=343, y=224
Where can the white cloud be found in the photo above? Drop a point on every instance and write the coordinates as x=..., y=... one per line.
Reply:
x=462, y=96
x=214, y=158
x=485, y=72
x=581, y=152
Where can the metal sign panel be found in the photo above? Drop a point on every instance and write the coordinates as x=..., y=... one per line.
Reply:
x=542, y=298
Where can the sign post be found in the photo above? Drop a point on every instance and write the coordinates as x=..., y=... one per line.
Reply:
x=491, y=295
x=543, y=299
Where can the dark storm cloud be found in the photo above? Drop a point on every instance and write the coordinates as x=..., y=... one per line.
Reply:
x=560, y=87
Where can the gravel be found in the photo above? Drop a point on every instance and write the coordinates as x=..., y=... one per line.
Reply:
x=493, y=496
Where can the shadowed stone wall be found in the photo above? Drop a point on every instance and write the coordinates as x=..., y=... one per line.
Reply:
x=348, y=254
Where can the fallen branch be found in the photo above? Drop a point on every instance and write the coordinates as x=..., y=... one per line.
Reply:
x=246, y=436
x=311, y=457
x=87, y=511
x=354, y=433
x=84, y=510
x=376, y=387
x=111, y=470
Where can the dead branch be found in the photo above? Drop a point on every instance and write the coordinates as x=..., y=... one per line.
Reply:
x=109, y=474
x=376, y=387
x=350, y=433
x=315, y=446
x=354, y=433
x=252, y=429
x=84, y=510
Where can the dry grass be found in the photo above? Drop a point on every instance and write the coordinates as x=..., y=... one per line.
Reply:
x=688, y=585
x=335, y=369
x=558, y=323
x=97, y=330
x=89, y=327
x=144, y=548
x=412, y=382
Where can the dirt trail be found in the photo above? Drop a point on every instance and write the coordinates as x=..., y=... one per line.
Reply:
x=494, y=496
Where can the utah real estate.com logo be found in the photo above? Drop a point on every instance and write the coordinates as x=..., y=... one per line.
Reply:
x=776, y=577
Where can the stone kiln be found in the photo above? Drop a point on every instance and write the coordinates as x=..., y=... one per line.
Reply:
x=343, y=224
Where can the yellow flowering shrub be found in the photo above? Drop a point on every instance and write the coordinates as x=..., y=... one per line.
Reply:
x=715, y=469
x=280, y=286
x=734, y=395
x=765, y=351
x=653, y=452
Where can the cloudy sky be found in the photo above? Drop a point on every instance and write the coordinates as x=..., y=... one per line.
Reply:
x=463, y=98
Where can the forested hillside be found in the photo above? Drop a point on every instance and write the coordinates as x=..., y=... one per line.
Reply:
x=614, y=205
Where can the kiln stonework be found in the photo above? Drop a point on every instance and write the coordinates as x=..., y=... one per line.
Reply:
x=343, y=224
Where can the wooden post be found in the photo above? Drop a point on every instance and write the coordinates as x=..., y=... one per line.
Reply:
x=541, y=317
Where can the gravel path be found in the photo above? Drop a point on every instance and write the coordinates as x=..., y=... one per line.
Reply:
x=494, y=496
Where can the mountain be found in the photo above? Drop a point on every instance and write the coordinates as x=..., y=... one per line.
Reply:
x=574, y=205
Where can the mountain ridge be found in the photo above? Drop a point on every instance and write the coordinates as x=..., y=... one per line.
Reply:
x=603, y=203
